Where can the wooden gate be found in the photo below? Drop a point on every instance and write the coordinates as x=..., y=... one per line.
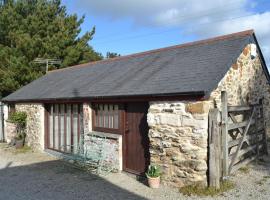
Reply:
x=236, y=135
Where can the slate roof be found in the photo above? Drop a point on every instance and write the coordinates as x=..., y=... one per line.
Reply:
x=192, y=68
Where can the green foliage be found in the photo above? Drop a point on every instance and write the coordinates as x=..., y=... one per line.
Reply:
x=39, y=29
x=24, y=149
x=153, y=171
x=112, y=55
x=244, y=170
x=19, y=118
x=200, y=190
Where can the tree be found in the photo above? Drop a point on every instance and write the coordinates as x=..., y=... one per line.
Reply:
x=38, y=29
x=112, y=55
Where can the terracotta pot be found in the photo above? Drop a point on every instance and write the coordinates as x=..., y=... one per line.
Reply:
x=19, y=144
x=153, y=182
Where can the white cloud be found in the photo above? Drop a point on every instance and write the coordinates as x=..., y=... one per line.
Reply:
x=193, y=17
x=159, y=12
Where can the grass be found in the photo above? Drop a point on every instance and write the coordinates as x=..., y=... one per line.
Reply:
x=199, y=190
x=262, y=181
x=24, y=149
x=244, y=170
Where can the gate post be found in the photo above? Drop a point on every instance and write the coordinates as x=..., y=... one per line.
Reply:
x=261, y=102
x=214, y=148
x=224, y=133
x=2, y=133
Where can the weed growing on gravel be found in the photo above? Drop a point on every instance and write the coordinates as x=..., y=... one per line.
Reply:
x=199, y=190
x=24, y=149
x=262, y=181
x=244, y=170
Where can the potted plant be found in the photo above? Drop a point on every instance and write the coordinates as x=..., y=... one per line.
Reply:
x=153, y=176
x=19, y=119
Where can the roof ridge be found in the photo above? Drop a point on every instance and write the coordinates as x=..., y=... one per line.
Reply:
x=213, y=39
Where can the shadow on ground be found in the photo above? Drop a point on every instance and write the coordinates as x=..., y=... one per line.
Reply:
x=56, y=180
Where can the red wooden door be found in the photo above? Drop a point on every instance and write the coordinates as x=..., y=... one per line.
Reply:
x=136, y=141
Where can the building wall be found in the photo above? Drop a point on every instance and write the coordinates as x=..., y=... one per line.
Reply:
x=35, y=124
x=10, y=130
x=245, y=83
x=178, y=140
x=111, y=144
x=179, y=130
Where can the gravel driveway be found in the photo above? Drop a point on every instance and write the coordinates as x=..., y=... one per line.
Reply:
x=37, y=176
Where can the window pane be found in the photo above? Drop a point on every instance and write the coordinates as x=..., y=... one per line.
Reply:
x=75, y=128
x=81, y=125
x=51, y=127
x=68, y=128
x=100, y=108
x=62, y=126
x=116, y=117
x=56, y=129
x=106, y=116
x=111, y=116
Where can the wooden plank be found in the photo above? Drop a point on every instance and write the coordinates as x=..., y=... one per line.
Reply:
x=265, y=136
x=257, y=135
x=246, y=150
x=240, y=124
x=243, y=163
x=249, y=138
x=214, y=149
x=238, y=108
x=224, y=131
x=235, y=121
x=242, y=141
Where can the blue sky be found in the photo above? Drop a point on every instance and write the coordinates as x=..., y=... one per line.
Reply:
x=130, y=26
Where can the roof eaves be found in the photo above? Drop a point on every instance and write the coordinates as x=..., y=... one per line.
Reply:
x=183, y=94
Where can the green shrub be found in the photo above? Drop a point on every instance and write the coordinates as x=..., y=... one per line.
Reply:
x=153, y=171
x=19, y=118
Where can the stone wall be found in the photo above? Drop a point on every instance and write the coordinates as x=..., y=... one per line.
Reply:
x=179, y=130
x=110, y=144
x=10, y=131
x=245, y=83
x=35, y=124
x=103, y=146
x=178, y=140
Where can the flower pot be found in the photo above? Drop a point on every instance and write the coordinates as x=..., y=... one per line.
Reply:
x=153, y=182
x=19, y=144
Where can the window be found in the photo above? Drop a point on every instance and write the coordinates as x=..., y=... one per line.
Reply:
x=106, y=117
x=11, y=109
x=65, y=125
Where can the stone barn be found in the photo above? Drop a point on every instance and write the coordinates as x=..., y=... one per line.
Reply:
x=150, y=107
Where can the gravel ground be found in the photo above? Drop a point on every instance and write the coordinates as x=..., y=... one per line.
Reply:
x=37, y=176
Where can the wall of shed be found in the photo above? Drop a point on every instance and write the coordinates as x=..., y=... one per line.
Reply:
x=178, y=140
x=35, y=124
x=245, y=83
x=179, y=130
x=111, y=146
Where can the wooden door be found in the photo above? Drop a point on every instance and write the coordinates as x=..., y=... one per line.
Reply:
x=136, y=141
